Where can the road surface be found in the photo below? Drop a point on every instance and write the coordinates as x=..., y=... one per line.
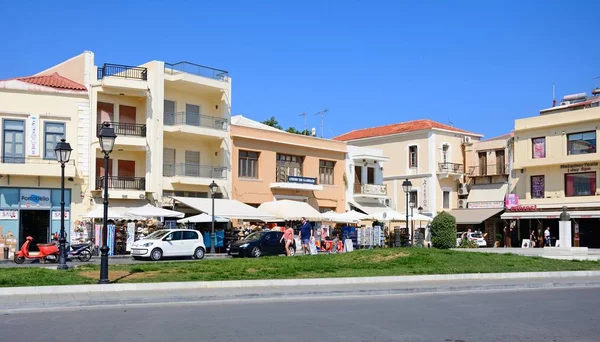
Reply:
x=516, y=315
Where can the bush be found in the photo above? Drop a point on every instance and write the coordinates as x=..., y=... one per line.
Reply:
x=466, y=243
x=443, y=231
x=498, y=237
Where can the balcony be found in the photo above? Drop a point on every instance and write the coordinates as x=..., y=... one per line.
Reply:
x=123, y=77
x=129, y=136
x=370, y=190
x=36, y=167
x=454, y=170
x=194, y=174
x=488, y=170
x=194, y=124
x=196, y=69
x=122, y=183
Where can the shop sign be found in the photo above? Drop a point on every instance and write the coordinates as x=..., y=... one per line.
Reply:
x=372, y=189
x=581, y=167
x=35, y=198
x=302, y=180
x=425, y=198
x=33, y=132
x=483, y=205
x=56, y=215
x=511, y=200
x=9, y=214
x=524, y=208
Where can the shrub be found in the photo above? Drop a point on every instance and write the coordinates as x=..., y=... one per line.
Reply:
x=498, y=237
x=466, y=243
x=443, y=231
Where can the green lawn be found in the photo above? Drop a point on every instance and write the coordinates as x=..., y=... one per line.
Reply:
x=363, y=263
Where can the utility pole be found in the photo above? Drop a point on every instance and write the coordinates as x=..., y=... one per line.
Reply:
x=304, y=115
x=322, y=113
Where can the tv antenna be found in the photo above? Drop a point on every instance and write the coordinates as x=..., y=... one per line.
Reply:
x=304, y=115
x=322, y=113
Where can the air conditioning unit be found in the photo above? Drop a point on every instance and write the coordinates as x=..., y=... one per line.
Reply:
x=462, y=203
x=463, y=189
x=466, y=140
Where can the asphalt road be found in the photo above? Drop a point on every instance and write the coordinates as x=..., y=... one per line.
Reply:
x=524, y=315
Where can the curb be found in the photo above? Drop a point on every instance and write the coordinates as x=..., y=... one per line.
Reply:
x=72, y=289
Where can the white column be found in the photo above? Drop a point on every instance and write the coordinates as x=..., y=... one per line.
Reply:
x=564, y=234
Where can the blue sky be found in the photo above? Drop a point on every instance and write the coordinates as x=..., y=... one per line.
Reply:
x=477, y=64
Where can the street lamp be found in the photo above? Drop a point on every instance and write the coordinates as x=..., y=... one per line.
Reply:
x=420, y=209
x=407, y=186
x=107, y=138
x=62, y=152
x=213, y=189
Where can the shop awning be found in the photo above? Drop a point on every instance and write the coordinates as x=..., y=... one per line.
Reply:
x=227, y=208
x=370, y=207
x=202, y=218
x=514, y=215
x=151, y=211
x=288, y=210
x=487, y=195
x=113, y=213
x=474, y=216
x=585, y=214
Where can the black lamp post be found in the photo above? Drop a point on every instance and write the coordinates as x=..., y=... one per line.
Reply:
x=407, y=186
x=107, y=138
x=213, y=189
x=62, y=152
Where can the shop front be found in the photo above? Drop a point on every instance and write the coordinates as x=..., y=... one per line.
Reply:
x=32, y=212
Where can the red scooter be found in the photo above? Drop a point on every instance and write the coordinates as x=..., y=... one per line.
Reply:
x=48, y=252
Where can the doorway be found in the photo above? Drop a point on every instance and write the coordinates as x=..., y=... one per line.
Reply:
x=35, y=223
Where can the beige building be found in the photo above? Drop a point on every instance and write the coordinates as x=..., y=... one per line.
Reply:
x=35, y=113
x=429, y=154
x=270, y=165
x=556, y=164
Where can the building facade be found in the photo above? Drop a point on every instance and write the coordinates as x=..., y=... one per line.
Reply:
x=364, y=174
x=270, y=164
x=556, y=165
x=429, y=154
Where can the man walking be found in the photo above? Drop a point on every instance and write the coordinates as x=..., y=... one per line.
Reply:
x=306, y=235
x=547, y=237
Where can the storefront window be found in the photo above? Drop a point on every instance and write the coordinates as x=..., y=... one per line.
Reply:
x=580, y=184
x=538, y=148
x=56, y=198
x=581, y=143
x=9, y=198
x=538, y=186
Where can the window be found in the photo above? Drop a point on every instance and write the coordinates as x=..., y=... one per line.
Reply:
x=326, y=171
x=192, y=115
x=538, y=187
x=538, y=148
x=413, y=197
x=581, y=143
x=53, y=132
x=192, y=164
x=580, y=184
x=446, y=199
x=288, y=165
x=14, y=142
x=412, y=156
x=169, y=112
x=248, y=164
x=175, y=236
x=168, y=162
x=370, y=175
x=190, y=235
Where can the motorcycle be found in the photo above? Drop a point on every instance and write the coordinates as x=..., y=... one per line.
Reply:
x=48, y=252
x=83, y=252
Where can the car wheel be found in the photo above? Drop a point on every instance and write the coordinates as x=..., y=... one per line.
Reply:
x=156, y=254
x=199, y=253
x=256, y=253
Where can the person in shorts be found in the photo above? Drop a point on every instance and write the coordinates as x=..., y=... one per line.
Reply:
x=288, y=238
x=306, y=235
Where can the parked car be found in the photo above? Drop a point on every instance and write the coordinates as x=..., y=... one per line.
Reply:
x=476, y=237
x=170, y=243
x=260, y=243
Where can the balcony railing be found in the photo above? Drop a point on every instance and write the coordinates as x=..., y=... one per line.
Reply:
x=370, y=189
x=123, y=129
x=194, y=170
x=125, y=183
x=195, y=119
x=123, y=71
x=489, y=170
x=451, y=168
x=196, y=69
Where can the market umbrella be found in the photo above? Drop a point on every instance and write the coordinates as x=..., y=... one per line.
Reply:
x=202, y=218
x=113, y=213
x=151, y=211
x=389, y=215
x=347, y=217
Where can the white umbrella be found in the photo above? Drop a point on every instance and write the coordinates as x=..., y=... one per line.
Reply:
x=113, y=213
x=151, y=211
x=389, y=215
x=420, y=217
x=347, y=217
x=202, y=218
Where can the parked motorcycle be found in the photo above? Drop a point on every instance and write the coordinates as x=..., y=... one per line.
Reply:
x=48, y=252
x=82, y=251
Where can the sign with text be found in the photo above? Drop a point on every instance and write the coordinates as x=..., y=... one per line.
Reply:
x=36, y=198
x=511, y=200
x=56, y=215
x=582, y=167
x=9, y=215
x=302, y=180
x=483, y=205
x=33, y=136
x=424, y=196
x=524, y=208
x=372, y=189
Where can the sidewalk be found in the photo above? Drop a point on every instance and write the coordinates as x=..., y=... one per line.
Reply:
x=591, y=254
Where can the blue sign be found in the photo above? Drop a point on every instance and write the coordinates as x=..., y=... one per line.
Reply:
x=37, y=198
x=302, y=180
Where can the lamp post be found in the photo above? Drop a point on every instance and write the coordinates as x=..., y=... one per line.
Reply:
x=213, y=189
x=62, y=153
x=107, y=138
x=407, y=186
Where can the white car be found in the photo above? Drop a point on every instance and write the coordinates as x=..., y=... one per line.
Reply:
x=473, y=236
x=170, y=243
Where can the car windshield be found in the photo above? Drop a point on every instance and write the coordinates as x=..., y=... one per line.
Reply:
x=158, y=234
x=476, y=235
x=253, y=237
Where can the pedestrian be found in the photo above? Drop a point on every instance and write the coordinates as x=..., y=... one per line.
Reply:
x=510, y=234
x=540, y=238
x=336, y=241
x=547, y=236
x=306, y=234
x=506, y=237
x=287, y=237
x=532, y=238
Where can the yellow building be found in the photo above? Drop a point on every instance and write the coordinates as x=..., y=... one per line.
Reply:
x=35, y=113
x=556, y=164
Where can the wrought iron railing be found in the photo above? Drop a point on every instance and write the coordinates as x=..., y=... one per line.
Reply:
x=489, y=170
x=451, y=168
x=196, y=69
x=195, y=119
x=194, y=170
x=120, y=182
x=123, y=71
x=125, y=129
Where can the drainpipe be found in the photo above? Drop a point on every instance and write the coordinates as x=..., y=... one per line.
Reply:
x=463, y=148
x=510, y=145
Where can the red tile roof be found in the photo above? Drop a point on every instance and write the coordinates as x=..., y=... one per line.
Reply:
x=402, y=127
x=52, y=80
